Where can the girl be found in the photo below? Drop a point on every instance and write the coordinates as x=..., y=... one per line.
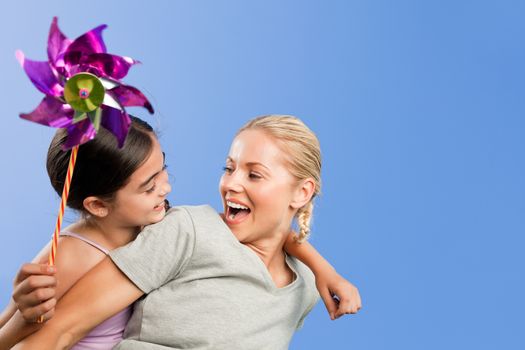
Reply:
x=117, y=191
x=192, y=253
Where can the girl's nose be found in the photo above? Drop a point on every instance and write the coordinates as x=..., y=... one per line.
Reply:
x=165, y=186
x=165, y=189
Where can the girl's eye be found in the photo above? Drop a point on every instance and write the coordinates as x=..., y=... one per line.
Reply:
x=255, y=176
x=227, y=169
x=151, y=189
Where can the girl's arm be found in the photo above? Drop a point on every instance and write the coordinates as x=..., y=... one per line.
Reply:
x=24, y=289
x=33, y=294
x=36, y=290
x=100, y=294
x=339, y=295
x=8, y=312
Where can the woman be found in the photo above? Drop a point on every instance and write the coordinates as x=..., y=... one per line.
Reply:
x=212, y=282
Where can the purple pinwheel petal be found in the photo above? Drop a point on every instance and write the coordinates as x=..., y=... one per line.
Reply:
x=129, y=96
x=79, y=133
x=112, y=66
x=57, y=43
x=117, y=122
x=41, y=75
x=51, y=112
x=89, y=43
x=71, y=60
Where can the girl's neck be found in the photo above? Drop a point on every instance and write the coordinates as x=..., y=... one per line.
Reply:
x=104, y=232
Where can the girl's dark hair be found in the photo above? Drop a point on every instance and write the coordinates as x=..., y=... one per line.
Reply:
x=101, y=168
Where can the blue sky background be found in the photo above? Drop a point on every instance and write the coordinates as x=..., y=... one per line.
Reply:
x=419, y=106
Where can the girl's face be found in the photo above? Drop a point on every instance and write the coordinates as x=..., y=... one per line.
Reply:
x=141, y=201
x=256, y=188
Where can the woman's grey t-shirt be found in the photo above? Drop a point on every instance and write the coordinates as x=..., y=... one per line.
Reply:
x=206, y=290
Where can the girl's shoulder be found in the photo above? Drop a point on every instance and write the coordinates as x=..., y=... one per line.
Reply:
x=75, y=252
x=73, y=260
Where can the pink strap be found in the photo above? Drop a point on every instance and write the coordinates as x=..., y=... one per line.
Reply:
x=82, y=238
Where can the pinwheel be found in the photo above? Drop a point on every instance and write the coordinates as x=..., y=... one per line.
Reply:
x=83, y=91
x=83, y=88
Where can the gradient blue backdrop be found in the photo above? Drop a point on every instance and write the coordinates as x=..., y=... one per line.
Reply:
x=419, y=106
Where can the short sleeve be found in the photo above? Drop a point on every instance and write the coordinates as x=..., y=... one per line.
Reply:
x=310, y=294
x=159, y=253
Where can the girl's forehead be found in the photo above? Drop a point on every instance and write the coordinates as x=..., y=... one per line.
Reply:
x=151, y=164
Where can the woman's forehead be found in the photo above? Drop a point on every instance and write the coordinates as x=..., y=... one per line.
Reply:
x=255, y=146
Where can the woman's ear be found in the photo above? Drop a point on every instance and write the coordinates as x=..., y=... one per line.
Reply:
x=303, y=193
x=96, y=206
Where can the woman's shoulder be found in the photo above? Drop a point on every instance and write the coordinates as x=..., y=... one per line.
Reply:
x=309, y=296
x=194, y=215
x=304, y=273
x=203, y=209
x=179, y=225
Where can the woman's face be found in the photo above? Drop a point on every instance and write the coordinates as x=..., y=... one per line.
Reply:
x=141, y=201
x=256, y=188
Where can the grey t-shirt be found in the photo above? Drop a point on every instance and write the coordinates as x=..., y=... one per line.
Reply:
x=206, y=290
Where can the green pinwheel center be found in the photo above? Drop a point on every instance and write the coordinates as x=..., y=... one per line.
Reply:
x=84, y=92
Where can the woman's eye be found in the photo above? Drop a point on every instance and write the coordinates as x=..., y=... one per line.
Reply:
x=255, y=176
x=164, y=167
x=227, y=169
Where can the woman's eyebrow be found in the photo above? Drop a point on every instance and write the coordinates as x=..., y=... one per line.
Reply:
x=251, y=164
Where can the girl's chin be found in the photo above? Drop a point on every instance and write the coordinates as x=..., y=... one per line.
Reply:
x=157, y=216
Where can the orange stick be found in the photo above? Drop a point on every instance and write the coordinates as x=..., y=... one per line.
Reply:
x=63, y=203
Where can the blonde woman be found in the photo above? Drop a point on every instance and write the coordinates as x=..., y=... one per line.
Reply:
x=213, y=281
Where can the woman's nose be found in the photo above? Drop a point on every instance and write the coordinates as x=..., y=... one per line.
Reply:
x=232, y=182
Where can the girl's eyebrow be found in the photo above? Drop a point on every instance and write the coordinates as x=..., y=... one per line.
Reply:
x=157, y=173
x=149, y=179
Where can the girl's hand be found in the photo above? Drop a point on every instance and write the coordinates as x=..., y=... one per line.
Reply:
x=34, y=292
x=339, y=295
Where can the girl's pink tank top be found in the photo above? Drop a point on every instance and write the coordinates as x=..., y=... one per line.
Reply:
x=109, y=333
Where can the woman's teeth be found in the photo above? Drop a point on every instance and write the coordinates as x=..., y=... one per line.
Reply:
x=236, y=206
x=235, y=209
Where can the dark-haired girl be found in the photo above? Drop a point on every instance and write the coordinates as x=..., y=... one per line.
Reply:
x=117, y=192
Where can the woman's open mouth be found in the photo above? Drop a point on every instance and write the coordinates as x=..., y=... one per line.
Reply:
x=236, y=212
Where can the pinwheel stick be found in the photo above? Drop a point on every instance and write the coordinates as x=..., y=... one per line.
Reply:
x=63, y=203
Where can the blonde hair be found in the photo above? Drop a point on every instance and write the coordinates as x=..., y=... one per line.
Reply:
x=303, y=155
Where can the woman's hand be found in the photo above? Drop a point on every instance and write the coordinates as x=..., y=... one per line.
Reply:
x=34, y=292
x=339, y=295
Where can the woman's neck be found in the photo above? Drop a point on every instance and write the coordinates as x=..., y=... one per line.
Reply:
x=271, y=252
